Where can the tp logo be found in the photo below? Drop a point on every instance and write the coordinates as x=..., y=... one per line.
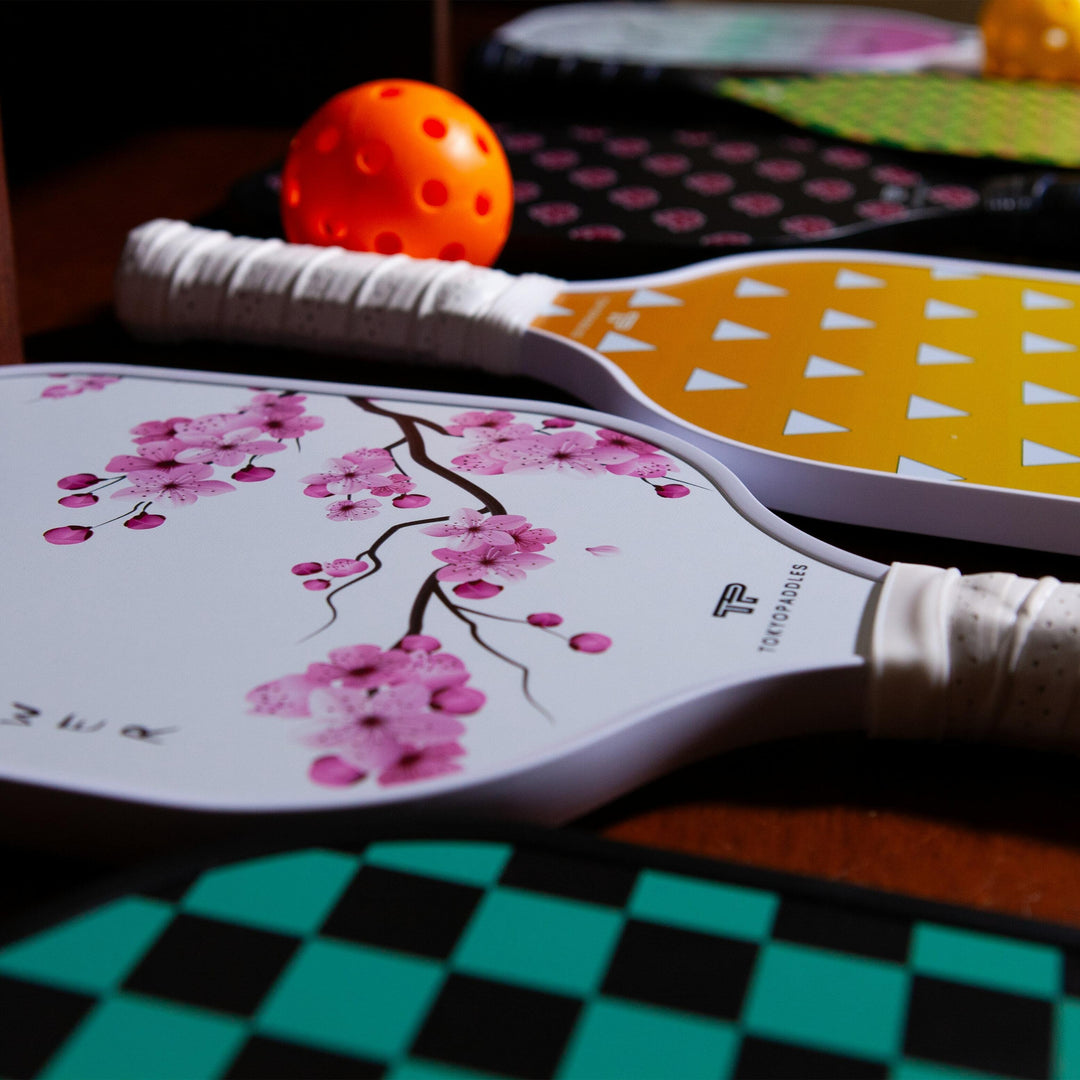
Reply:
x=734, y=598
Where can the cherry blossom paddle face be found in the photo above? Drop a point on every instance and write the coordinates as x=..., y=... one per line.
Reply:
x=307, y=597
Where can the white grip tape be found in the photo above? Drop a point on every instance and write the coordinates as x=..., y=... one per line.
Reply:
x=177, y=281
x=986, y=656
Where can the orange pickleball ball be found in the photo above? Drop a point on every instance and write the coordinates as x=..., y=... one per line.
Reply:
x=1032, y=39
x=398, y=166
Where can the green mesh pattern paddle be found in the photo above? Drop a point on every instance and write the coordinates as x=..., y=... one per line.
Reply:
x=937, y=113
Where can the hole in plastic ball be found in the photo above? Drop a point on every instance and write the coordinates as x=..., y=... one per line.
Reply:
x=327, y=139
x=434, y=127
x=335, y=230
x=482, y=143
x=1056, y=38
x=483, y=204
x=434, y=193
x=292, y=194
x=388, y=243
x=453, y=252
x=390, y=91
x=372, y=157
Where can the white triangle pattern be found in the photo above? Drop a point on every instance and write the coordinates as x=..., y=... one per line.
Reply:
x=1040, y=301
x=748, y=287
x=700, y=379
x=1036, y=394
x=852, y=279
x=906, y=466
x=726, y=330
x=615, y=342
x=552, y=310
x=1036, y=343
x=651, y=298
x=938, y=309
x=800, y=423
x=951, y=273
x=817, y=367
x=920, y=408
x=841, y=320
x=932, y=354
x=1037, y=454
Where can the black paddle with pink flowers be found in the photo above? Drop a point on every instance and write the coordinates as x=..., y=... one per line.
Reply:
x=177, y=459
x=396, y=714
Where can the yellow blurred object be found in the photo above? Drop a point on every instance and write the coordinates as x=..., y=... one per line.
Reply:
x=1032, y=39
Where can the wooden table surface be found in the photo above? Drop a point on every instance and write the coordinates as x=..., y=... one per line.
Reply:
x=985, y=827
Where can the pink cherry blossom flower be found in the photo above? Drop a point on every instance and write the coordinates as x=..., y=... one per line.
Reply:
x=316, y=584
x=954, y=196
x=554, y=213
x=881, y=210
x=895, y=174
x=672, y=491
x=666, y=164
x=726, y=238
x=181, y=487
x=158, y=430
x=97, y=382
x=830, y=189
x=635, y=198
x=363, y=666
x=807, y=225
x=466, y=421
x=526, y=191
x=459, y=700
x=557, y=422
x=609, y=234
x=345, y=567
x=544, y=618
x=590, y=643
x=470, y=528
x=420, y=643
x=287, y=427
x=371, y=459
x=423, y=763
x=270, y=403
x=594, y=177
x=649, y=466
x=845, y=157
x=570, y=450
x=226, y=447
x=68, y=534
x=483, y=438
x=623, y=441
x=332, y=771
x=477, y=590
x=435, y=670
x=77, y=481
x=603, y=550
x=679, y=219
x=709, y=183
x=353, y=510
x=213, y=424
x=527, y=538
x=780, y=170
x=343, y=477
x=287, y=696
x=757, y=203
x=627, y=146
x=411, y=502
x=480, y=463
x=317, y=491
x=302, y=569
x=156, y=457
x=76, y=502
x=735, y=152
x=252, y=474
x=144, y=521
x=556, y=160
x=397, y=484
x=487, y=561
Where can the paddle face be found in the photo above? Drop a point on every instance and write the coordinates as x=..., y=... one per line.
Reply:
x=959, y=373
x=295, y=596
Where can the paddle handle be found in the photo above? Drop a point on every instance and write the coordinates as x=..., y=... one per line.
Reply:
x=985, y=656
x=177, y=281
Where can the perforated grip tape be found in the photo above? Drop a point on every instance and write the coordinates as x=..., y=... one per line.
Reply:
x=991, y=656
x=177, y=281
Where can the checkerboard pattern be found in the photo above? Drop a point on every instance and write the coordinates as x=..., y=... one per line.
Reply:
x=534, y=957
